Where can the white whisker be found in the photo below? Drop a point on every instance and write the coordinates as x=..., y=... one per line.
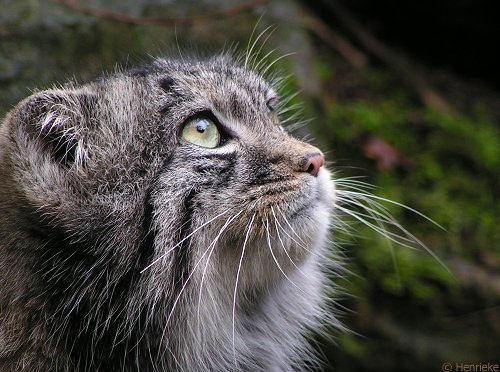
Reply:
x=302, y=243
x=255, y=67
x=270, y=65
x=352, y=191
x=250, y=50
x=249, y=228
x=371, y=196
x=212, y=248
x=266, y=225
x=278, y=226
x=177, y=298
x=388, y=235
x=183, y=240
x=263, y=59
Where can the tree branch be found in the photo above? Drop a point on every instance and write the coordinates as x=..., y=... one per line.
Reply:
x=335, y=40
x=159, y=21
x=408, y=71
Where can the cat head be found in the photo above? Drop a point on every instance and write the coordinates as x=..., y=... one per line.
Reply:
x=168, y=174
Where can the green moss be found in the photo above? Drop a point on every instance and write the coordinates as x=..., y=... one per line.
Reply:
x=351, y=345
x=324, y=70
x=453, y=177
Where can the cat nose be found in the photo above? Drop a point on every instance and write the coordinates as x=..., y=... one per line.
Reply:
x=313, y=163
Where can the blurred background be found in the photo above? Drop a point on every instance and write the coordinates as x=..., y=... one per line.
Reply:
x=405, y=95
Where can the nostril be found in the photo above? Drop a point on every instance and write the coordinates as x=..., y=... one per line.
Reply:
x=313, y=164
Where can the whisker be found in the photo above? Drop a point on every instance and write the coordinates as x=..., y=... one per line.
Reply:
x=256, y=54
x=379, y=218
x=266, y=225
x=256, y=67
x=174, y=305
x=409, y=236
x=250, y=50
x=212, y=248
x=270, y=65
x=296, y=108
x=352, y=191
x=387, y=234
x=377, y=212
x=286, y=233
x=183, y=240
x=283, y=244
x=285, y=101
x=386, y=217
x=302, y=243
x=371, y=196
x=249, y=228
x=177, y=44
x=250, y=41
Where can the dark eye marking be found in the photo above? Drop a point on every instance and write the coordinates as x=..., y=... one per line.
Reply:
x=271, y=105
x=166, y=84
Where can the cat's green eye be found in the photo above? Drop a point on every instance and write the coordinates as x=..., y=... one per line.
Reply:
x=202, y=132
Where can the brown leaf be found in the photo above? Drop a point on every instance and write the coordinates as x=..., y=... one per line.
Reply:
x=386, y=156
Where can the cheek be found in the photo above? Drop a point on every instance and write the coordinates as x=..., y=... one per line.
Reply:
x=313, y=228
x=314, y=225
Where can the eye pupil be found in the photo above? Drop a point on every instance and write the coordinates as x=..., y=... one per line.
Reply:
x=201, y=128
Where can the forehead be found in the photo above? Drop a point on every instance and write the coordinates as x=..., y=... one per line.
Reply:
x=220, y=85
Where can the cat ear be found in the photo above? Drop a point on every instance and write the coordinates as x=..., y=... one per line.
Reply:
x=56, y=122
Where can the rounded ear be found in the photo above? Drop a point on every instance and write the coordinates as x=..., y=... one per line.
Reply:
x=57, y=121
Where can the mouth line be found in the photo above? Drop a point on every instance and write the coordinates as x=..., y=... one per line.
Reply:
x=298, y=212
